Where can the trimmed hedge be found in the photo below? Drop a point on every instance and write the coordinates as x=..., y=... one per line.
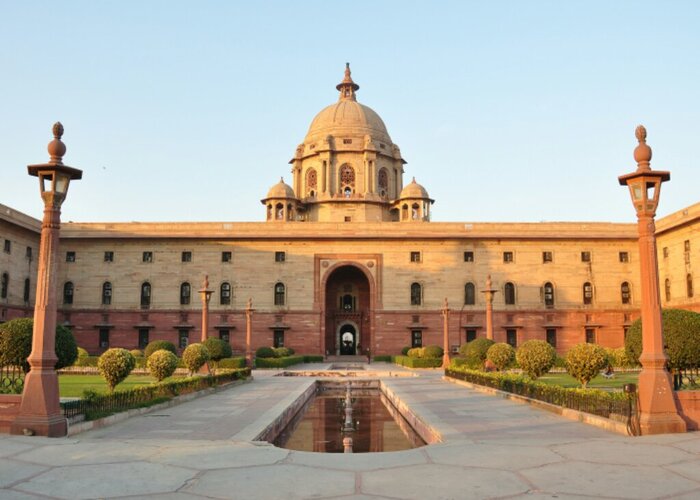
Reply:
x=157, y=345
x=95, y=405
x=594, y=401
x=410, y=362
x=383, y=358
x=278, y=362
x=265, y=352
x=231, y=363
x=218, y=349
x=313, y=358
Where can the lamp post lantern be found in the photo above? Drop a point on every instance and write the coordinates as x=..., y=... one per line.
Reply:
x=206, y=297
x=40, y=412
x=446, y=334
x=658, y=412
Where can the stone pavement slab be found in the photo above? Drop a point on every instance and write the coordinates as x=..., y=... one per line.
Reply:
x=493, y=448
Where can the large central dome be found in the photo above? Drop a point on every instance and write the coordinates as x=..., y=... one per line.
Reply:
x=347, y=117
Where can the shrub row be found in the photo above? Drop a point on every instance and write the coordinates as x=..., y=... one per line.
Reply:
x=313, y=358
x=278, y=362
x=94, y=405
x=596, y=402
x=231, y=363
x=417, y=362
x=383, y=357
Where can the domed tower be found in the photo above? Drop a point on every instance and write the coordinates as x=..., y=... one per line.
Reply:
x=281, y=203
x=347, y=169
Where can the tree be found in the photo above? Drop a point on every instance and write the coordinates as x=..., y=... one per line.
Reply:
x=16, y=344
x=584, y=361
x=475, y=351
x=501, y=355
x=536, y=357
x=194, y=357
x=162, y=364
x=681, y=338
x=157, y=345
x=115, y=365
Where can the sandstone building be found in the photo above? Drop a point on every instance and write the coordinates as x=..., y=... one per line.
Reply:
x=348, y=260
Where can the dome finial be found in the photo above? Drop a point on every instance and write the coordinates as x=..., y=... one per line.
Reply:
x=347, y=87
x=642, y=153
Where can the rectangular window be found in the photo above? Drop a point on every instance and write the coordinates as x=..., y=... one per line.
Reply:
x=70, y=256
x=665, y=252
x=29, y=253
x=547, y=257
x=552, y=336
x=143, y=338
x=183, y=338
x=507, y=256
x=590, y=335
x=512, y=337
x=585, y=256
x=278, y=338
x=104, y=338
x=147, y=257
x=280, y=256
x=416, y=338
x=109, y=256
x=471, y=335
x=8, y=246
x=468, y=256
x=186, y=256
x=415, y=256
x=224, y=335
x=225, y=256
x=347, y=218
x=686, y=246
x=624, y=257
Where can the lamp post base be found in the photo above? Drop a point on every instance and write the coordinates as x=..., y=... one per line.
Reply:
x=40, y=425
x=446, y=360
x=658, y=413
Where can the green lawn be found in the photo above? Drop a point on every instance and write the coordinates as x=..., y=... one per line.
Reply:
x=600, y=382
x=74, y=385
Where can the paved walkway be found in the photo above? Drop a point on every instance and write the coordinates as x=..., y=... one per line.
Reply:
x=494, y=448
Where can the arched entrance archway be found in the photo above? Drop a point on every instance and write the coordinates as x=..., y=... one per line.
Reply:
x=347, y=308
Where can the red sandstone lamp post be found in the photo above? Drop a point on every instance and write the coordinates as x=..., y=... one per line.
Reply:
x=658, y=412
x=248, y=332
x=206, y=297
x=489, y=292
x=446, y=335
x=40, y=412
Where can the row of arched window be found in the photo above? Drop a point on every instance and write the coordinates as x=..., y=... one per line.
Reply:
x=145, y=298
x=5, y=287
x=688, y=287
x=547, y=293
x=346, y=178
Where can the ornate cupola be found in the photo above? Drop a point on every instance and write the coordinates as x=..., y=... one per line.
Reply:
x=347, y=87
x=281, y=203
x=414, y=203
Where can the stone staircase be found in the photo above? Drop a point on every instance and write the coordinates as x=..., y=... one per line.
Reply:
x=9, y=409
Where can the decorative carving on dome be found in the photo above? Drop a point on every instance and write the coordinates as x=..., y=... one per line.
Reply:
x=383, y=182
x=311, y=182
x=347, y=175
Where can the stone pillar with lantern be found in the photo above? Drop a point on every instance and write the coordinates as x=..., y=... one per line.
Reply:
x=489, y=292
x=248, y=333
x=205, y=293
x=446, y=334
x=657, y=406
x=40, y=412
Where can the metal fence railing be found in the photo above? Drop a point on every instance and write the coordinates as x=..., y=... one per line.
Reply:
x=11, y=378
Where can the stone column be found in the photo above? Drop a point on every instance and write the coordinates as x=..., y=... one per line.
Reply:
x=248, y=332
x=206, y=297
x=445, y=334
x=489, y=292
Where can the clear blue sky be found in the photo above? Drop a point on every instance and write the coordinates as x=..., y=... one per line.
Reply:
x=505, y=111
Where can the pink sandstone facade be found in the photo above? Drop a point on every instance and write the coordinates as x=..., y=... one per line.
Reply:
x=348, y=260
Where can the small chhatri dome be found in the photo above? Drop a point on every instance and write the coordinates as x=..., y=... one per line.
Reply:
x=281, y=190
x=347, y=87
x=414, y=190
x=642, y=153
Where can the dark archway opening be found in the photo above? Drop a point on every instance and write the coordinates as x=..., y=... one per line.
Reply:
x=347, y=307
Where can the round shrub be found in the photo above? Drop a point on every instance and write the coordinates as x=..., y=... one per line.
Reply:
x=162, y=364
x=584, y=361
x=16, y=344
x=404, y=350
x=475, y=351
x=83, y=355
x=433, y=351
x=618, y=357
x=194, y=357
x=536, y=357
x=265, y=352
x=416, y=352
x=501, y=355
x=681, y=338
x=137, y=353
x=115, y=365
x=218, y=349
x=282, y=352
x=157, y=345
